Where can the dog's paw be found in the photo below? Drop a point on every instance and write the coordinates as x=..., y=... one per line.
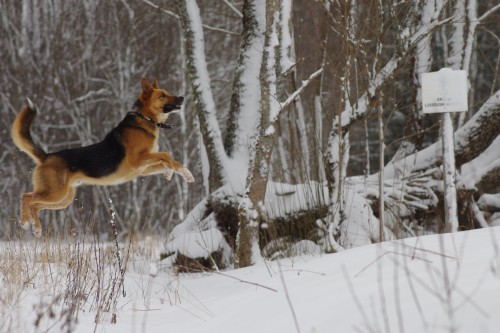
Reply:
x=186, y=175
x=24, y=224
x=168, y=174
x=37, y=231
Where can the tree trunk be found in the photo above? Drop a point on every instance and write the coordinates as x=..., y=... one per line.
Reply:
x=197, y=73
x=251, y=206
x=244, y=84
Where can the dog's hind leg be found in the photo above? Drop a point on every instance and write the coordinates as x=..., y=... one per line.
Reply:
x=36, y=208
x=32, y=203
x=51, y=190
x=26, y=213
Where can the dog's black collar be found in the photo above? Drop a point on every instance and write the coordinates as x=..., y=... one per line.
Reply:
x=159, y=125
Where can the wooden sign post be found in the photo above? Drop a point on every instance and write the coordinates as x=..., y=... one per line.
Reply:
x=445, y=91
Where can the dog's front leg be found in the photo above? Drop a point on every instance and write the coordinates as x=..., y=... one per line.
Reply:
x=168, y=173
x=150, y=160
x=162, y=163
x=157, y=169
x=183, y=171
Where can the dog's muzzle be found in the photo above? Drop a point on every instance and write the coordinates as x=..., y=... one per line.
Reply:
x=176, y=105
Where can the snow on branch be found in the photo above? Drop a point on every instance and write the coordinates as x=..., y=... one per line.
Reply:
x=297, y=92
x=168, y=12
x=479, y=131
x=294, y=95
x=479, y=168
x=488, y=13
x=233, y=8
x=471, y=139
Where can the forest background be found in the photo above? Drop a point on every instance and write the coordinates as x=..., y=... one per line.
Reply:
x=335, y=84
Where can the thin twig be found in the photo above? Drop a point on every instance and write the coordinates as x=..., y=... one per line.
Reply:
x=303, y=270
x=356, y=300
x=414, y=247
x=170, y=13
x=233, y=7
x=389, y=252
x=382, y=298
x=115, y=238
x=288, y=298
x=247, y=282
x=413, y=291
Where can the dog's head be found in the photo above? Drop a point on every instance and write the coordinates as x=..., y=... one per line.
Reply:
x=158, y=103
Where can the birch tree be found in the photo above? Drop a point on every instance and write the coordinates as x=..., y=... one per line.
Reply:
x=253, y=113
x=248, y=239
x=197, y=72
x=243, y=115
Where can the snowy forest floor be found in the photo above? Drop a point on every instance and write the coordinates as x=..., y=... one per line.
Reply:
x=437, y=283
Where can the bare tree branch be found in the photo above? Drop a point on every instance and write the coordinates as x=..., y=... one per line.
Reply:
x=488, y=13
x=297, y=92
x=170, y=13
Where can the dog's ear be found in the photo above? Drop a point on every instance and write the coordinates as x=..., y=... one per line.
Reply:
x=155, y=83
x=146, y=88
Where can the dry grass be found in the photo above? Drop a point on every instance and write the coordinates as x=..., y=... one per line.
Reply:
x=46, y=284
x=59, y=278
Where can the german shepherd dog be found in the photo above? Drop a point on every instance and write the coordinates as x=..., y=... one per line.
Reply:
x=130, y=150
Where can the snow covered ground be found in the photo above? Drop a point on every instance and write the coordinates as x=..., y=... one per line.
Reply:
x=438, y=283
x=428, y=284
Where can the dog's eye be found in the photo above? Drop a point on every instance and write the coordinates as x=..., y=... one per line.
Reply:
x=163, y=95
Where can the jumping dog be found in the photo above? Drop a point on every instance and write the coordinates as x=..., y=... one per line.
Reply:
x=130, y=150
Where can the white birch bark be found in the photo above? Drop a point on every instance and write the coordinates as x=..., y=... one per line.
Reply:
x=423, y=52
x=473, y=21
x=250, y=208
x=244, y=109
x=454, y=61
x=381, y=174
x=318, y=98
x=456, y=46
x=457, y=41
x=449, y=171
x=200, y=84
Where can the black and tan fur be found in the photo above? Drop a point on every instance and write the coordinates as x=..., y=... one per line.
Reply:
x=128, y=151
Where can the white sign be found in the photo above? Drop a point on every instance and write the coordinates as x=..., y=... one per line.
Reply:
x=444, y=91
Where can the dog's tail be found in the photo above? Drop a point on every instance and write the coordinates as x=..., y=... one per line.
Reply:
x=21, y=133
